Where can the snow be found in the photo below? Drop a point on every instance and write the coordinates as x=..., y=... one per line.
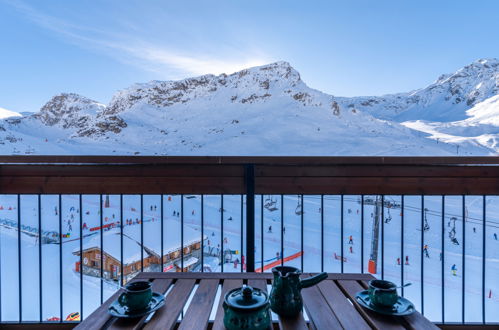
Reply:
x=4, y=113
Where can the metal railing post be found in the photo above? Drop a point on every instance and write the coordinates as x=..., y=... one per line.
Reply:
x=249, y=180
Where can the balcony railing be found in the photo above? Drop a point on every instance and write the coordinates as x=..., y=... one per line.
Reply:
x=75, y=228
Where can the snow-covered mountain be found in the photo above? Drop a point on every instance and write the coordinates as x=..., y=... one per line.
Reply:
x=266, y=110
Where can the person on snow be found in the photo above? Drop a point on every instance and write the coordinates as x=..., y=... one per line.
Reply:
x=453, y=269
x=270, y=229
x=474, y=229
x=230, y=218
x=351, y=249
x=350, y=240
x=495, y=236
x=407, y=260
x=425, y=249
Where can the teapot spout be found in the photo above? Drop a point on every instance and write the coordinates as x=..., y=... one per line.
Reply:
x=311, y=281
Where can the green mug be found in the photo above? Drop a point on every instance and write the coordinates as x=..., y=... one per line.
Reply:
x=137, y=295
x=383, y=293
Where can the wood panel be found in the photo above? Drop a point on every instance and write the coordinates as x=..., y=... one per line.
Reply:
x=199, y=310
x=318, y=310
x=166, y=317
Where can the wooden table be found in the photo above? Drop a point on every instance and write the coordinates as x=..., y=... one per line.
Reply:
x=329, y=305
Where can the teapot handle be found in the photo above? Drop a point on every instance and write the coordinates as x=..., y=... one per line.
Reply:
x=313, y=280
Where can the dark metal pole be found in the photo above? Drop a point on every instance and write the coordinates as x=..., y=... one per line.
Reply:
x=362, y=234
x=242, y=229
x=484, y=212
x=81, y=255
x=141, y=232
x=202, y=233
x=383, y=237
x=250, y=217
x=122, y=277
x=422, y=256
x=464, y=262
x=222, y=255
x=443, y=259
x=402, y=214
x=19, y=257
x=301, y=234
x=40, y=254
x=282, y=230
x=341, y=232
x=182, y=232
x=322, y=233
x=162, y=233
x=101, y=251
x=261, y=232
x=60, y=257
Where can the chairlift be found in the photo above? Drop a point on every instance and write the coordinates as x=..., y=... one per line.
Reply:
x=270, y=204
x=389, y=217
x=426, y=226
x=299, y=208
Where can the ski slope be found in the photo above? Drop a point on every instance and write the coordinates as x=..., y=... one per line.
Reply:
x=213, y=219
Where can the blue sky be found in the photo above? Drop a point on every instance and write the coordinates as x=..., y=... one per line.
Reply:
x=344, y=48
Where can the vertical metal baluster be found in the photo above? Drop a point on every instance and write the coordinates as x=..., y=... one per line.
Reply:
x=443, y=259
x=162, y=234
x=362, y=233
x=202, y=233
x=40, y=254
x=242, y=236
x=422, y=256
x=282, y=230
x=484, y=203
x=121, y=240
x=182, y=232
x=249, y=180
x=222, y=257
x=464, y=261
x=261, y=231
x=80, y=203
x=102, y=250
x=382, y=237
x=19, y=256
x=60, y=257
x=402, y=214
x=322, y=233
x=301, y=234
x=341, y=230
x=141, y=232
x=1, y=318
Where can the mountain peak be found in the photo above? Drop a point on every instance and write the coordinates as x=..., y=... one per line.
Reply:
x=66, y=107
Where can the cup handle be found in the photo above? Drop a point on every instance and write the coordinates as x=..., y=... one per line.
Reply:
x=122, y=299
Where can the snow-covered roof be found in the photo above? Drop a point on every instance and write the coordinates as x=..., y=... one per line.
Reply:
x=171, y=239
x=112, y=247
x=187, y=262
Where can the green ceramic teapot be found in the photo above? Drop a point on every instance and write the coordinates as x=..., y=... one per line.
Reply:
x=246, y=308
x=285, y=296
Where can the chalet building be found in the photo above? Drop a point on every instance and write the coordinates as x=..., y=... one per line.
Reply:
x=132, y=253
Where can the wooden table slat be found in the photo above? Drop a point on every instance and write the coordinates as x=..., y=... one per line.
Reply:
x=376, y=320
x=199, y=310
x=158, y=285
x=166, y=317
x=260, y=284
x=413, y=321
x=318, y=310
x=226, y=287
x=248, y=276
x=346, y=313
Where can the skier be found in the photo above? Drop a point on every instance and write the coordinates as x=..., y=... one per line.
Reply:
x=84, y=226
x=284, y=230
x=174, y=214
x=351, y=249
x=113, y=216
x=155, y=207
x=440, y=256
x=230, y=219
x=277, y=255
x=453, y=269
x=270, y=229
x=349, y=211
x=350, y=240
x=474, y=229
x=151, y=208
x=55, y=210
x=407, y=260
x=192, y=212
x=398, y=261
x=212, y=233
x=495, y=236
x=425, y=249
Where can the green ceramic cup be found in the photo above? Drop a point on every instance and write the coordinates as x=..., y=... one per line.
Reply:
x=383, y=293
x=137, y=295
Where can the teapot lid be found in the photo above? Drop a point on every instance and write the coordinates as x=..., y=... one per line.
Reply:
x=246, y=298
